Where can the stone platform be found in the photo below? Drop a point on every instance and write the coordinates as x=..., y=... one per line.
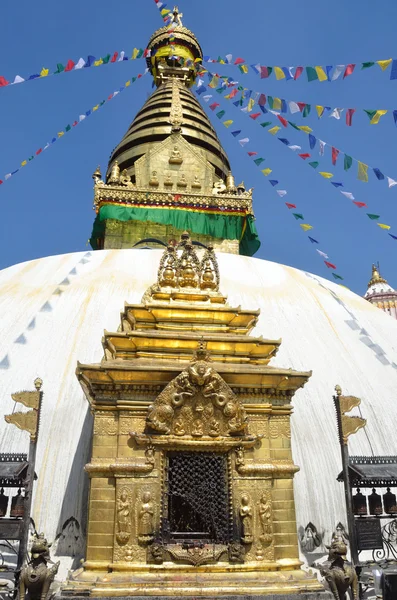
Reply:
x=297, y=596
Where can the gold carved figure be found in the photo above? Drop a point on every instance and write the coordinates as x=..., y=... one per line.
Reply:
x=265, y=518
x=214, y=430
x=246, y=520
x=146, y=518
x=154, y=180
x=182, y=182
x=176, y=157
x=198, y=430
x=115, y=173
x=196, y=183
x=168, y=181
x=123, y=517
x=36, y=577
x=125, y=179
x=179, y=427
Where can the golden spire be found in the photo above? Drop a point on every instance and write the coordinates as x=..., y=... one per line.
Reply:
x=376, y=278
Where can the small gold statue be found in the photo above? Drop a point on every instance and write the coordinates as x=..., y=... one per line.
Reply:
x=176, y=157
x=154, y=180
x=196, y=183
x=125, y=179
x=182, y=182
x=168, y=181
x=197, y=430
x=145, y=518
x=115, y=173
x=246, y=520
x=265, y=515
x=123, y=518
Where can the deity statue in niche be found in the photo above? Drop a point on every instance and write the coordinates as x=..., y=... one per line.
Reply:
x=183, y=181
x=265, y=516
x=168, y=181
x=214, y=429
x=246, y=519
x=154, y=180
x=196, y=183
x=179, y=428
x=146, y=518
x=176, y=157
x=197, y=430
x=123, y=517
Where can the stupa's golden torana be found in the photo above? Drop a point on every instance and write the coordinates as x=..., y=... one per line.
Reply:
x=191, y=475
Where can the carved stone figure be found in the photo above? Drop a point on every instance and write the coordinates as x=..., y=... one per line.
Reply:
x=146, y=518
x=178, y=427
x=219, y=187
x=182, y=182
x=240, y=460
x=36, y=577
x=214, y=429
x=168, y=181
x=197, y=430
x=125, y=179
x=149, y=454
x=340, y=535
x=339, y=575
x=156, y=553
x=236, y=553
x=246, y=519
x=154, y=180
x=265, y=518
x=123, y=517
x=311, y=538
x=196, y=183
x=176, y=157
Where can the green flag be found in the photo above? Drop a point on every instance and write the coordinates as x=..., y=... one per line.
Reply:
x=293, y=125
x=314, y=164
x=347, y=163
x=370, y=113
x=68, y=128
x=336, y=276
x=311, y=74
x=221, y=114
x=306, y=110
x=298, y=216
x=60, y=68
x=259, y=161
x=270, y=101
x=106, y=59
x=373, y=217
x=367, y=65
x=266, y=124
x=140, y=53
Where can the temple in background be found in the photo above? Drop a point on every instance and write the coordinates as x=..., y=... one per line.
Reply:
x=381, y=294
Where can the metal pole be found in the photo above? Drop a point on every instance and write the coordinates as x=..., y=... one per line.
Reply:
x=346, y=482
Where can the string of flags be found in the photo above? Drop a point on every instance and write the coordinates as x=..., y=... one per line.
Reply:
x=305, y=155
x=249, y=99
x=165, y=13
x=312, y=73
x=267, y=171
x=69, y=127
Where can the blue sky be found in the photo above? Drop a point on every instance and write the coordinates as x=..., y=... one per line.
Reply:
x=47, y=207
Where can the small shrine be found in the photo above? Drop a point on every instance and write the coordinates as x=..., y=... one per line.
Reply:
x=191, y=470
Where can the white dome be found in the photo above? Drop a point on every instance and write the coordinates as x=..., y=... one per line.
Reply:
x=54, y=311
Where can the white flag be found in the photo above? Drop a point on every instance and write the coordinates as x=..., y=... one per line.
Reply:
x=274, y=112
x=18, y=79
x=200, y=82
x=281, y=193
x=336, y=113
x=348, y=195
x=7, y=176
x=244, y=141
x=207, y=98
x=115, y=93
x=322, y=146
x=244, y=110
x=391, y=182
x=295, y=147
x=80, y=63
x=46, y=146
x=322, y=254
x=81, y=118
x=121, y=57
x=293, y=107
x=229, y=58
x=338, y=70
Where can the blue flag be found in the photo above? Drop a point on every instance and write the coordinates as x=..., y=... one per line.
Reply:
x=337, y=184
x=236, y=133
x=393, y=74
x=313, y=241
x=378, y=174
x=90, y=61
x=312, y=141
x=284, y=141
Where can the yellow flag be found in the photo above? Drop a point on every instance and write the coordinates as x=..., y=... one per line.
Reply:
x=362, y=173
x=306, y=227
x=383, y=226
x=98, y=63
x=44, y=72
x=96, y=107
x=227, y=123
x=135, y=53
x=321, y=74
x=244, y=69
x=377, y=116
x=274, y=130
x=61, y=133
x=279, y=73
x=326, y=175
x=305, y=128
x=266, y=172
x=276, y=103
x=23, y=163
x=320, y=110
x=251, y=104
x=127, y=83
x=384, y=63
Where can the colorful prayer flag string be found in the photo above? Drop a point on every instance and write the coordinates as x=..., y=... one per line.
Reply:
x=69, y=127
x=258, y=160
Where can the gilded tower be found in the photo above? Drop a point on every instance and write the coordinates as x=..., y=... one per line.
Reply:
x=381, y=294
x=170, y=173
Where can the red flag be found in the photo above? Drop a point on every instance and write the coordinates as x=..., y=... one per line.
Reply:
x=262, y=100
x=330, y=265
x=39, y=151
x=146, y=53
x=214, y=105
x=359, y=204
x=239, y=61
x=252, y=153
x=290, y=205
x=233, y=93
x=75, y=123
x=349, y=116
x=349, y=70
x=301, y=105
x=264, y=72
x=69, y=65
x=304, y=156
x=298, y=72
x=139, y=76
x=110, y=97
x=114, y=57
x=3, y=81
x=335, y=154
x=282, y=120
x=255, y=115
x=1, y=182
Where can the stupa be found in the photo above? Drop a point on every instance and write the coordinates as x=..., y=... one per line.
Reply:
x=381, y=294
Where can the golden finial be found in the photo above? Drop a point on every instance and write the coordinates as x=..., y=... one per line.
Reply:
x=97, y=175
x=38, y=383
x=338, y=390
x=177, y=16
x=376, y=277
x=115, y=173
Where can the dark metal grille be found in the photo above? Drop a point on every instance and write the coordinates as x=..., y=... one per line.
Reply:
x=198, y=497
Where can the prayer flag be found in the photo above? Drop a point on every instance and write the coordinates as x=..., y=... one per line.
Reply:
x=44, y=72
x=321, y=74
x=23, y=163
x=61, y=133
x=373, y=217
x=393, y=74
x=312, y=141
x=378, y=174
x=17, y=79
x=3, y=81
x=298, y=72
x=337, y=72
x=375, y=115
x=304, y=156
x=274, y=130
x=239, y=61
x=279, y=73
x=367, y=65
x=393, y=236
x=336, y=113
x=214, y=105
x=347, y=162
x=98, y=63
x=314, y=164
x=293, y=107
x=391, y=182
x=306, y=227
x=266, y=72
x=227, y=123
x=284, y=141
x=359, y=204
x=254, y=116
x=80, y=64
x=295, y=147
x=290, y=205
x=313, y=241
x=287, y=72
x=35, y=76
x=282, y=120
x=329, y=265
x=382, y=225
x=349, y=70
x=60, y=68
x=266, y=172
x=114, y=57
x=277, y=104
x=348, y=195
x=384, y=63
x=320, y=110
x=335, y=154
x=252, y=153
x=282, y=193
x=243, y=141
x=311, y=74
x=349, y=116
x=69, y=65
x=236, y=133
x=323, y=254
x=262, y=100
x=336, y=184
x=39, y=151
x=326, y=175
x=362, y=173
x=298, y=216
x=259, y=161
x=221, y=114
x=251, y=104
x=336, y=276
x=305, y=128
x=273, y=182
x=243, y=69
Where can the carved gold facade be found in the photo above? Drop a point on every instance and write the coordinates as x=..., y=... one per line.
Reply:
x=190, y=423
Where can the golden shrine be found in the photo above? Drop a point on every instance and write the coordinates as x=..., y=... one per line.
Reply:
x=191, y=470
